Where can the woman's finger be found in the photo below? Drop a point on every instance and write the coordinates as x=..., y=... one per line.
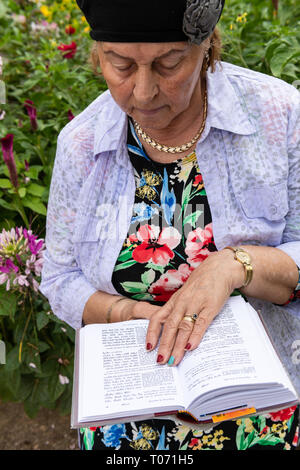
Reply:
x=200, y=326
x=155, y=325
x=185, y=330
x=170, y=330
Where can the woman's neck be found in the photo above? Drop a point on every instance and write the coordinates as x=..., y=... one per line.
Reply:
x=180, y=131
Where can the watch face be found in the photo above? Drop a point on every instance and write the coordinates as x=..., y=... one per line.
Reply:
x=243, y=257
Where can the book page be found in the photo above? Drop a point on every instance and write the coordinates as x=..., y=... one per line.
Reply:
x=233, y=352
x=120, y=376
x=284, y=331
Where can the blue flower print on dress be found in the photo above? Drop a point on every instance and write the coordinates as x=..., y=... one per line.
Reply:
x=143, y=212
x=113, y=434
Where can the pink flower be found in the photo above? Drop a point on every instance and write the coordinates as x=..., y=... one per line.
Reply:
x=31, y=110
x=170, y=282
x=8, y=157
x=197, y=245
x=156, y=247
x=68, y=47
x=21, y=259
x=70, y=115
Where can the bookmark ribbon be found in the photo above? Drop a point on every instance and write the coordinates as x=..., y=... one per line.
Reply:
x=233, y=414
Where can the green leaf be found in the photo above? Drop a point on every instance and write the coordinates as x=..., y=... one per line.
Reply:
x=148, y=277
x=35, y=189
x=8, y=303
x=12, y=359
x=185, y=196
x=282, y=55
x=55, y=387
x=35, y=204
x=270, y=439
x=192, y=218
x=42, y=319
x=125, y=265
x=146, y=296
x=22, y=192
x=156, y=267
x=34, y=171
x=134, y=287
x=240, y=437
x=125, y=255
x=5, y=183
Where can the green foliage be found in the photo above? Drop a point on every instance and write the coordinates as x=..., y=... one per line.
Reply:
x=40, y=348
x=257, y=36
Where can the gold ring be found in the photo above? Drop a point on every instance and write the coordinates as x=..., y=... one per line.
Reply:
x=191, y=318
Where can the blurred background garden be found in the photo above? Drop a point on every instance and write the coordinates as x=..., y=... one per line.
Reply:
x=46, y=80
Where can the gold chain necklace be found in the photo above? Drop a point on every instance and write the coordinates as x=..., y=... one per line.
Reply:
x=180, y=148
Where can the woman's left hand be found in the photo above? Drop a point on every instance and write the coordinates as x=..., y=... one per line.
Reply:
x=204, y=293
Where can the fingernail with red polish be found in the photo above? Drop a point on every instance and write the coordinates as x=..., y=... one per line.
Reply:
x=160, y=358
x=149, y=346
x=188, y=346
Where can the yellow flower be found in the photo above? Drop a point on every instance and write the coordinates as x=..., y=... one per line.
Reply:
x=280, y=428
x=182, y=432
x=45, y=11
x=248, y=425
x=242, y=18
x=231, y=27
x=140, y=444
x=83, y=19
x=207, y=439
x=86, y=29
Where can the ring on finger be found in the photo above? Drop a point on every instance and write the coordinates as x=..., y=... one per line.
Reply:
x=192, y=318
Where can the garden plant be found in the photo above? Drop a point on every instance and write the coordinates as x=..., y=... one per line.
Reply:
x=46, y=80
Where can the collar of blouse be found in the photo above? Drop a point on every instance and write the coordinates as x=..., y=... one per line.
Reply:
x=224, y=112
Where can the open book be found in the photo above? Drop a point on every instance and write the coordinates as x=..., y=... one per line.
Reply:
x=234, y=368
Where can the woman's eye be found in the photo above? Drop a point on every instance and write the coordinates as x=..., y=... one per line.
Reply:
x=168, y=66
x=122, y=68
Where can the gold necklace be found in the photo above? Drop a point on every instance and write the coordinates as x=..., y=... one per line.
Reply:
x=180, y=148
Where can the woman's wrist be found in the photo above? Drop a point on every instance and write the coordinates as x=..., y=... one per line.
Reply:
x=125, y=310
x=235, y=269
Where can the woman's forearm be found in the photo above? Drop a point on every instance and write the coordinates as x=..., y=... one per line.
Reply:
x=97, y=306
x=275, y=274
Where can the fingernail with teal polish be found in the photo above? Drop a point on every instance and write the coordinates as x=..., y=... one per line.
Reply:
x=171, y=361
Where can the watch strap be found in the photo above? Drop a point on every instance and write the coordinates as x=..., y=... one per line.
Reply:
x=247, y=266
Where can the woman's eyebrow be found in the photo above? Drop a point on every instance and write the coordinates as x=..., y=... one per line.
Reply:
x=163, y=56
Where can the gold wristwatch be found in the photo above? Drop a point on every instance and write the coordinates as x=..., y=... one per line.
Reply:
x=244, y=258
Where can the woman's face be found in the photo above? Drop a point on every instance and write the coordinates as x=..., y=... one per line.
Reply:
x=155, y=83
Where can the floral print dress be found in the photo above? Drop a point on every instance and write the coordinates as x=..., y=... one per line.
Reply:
x=170, y=234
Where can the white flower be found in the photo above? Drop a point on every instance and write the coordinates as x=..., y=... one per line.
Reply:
x=31, y=364
x=63, y=379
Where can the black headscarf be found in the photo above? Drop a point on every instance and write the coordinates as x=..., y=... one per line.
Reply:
x=151, y=20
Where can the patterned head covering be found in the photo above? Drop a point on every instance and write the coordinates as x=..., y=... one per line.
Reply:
x=151, y=20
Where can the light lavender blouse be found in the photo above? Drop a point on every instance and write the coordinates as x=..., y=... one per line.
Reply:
x=249, y=157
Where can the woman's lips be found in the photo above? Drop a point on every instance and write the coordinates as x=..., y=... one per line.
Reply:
x=149, y=112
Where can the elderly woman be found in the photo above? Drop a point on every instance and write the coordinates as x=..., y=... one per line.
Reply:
x=173, y=189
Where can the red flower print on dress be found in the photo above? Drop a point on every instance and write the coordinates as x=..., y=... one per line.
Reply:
x=169, y=282
x=283, y=415
x=156, y=246
x=197, y=245
x=198, y=181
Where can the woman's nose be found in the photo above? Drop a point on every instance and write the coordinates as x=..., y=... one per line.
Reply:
x=145, y=86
